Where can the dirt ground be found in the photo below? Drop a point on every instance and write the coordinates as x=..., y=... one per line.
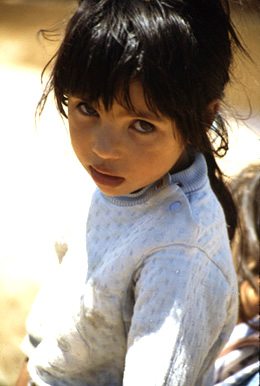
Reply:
x=39, y=174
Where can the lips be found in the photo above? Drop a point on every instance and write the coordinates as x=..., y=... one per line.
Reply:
x=103, y=176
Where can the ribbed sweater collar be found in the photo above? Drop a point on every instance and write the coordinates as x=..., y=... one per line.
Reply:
x=190, y=180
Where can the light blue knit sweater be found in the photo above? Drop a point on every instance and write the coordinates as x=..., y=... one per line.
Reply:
x=159, y=300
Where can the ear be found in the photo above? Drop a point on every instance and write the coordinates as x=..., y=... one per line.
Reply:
x=212, y=110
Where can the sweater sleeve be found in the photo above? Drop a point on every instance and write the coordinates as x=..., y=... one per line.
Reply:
x=181, y=301
x=50, y=325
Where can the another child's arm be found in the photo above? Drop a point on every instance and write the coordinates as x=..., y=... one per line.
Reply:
x=23, y=378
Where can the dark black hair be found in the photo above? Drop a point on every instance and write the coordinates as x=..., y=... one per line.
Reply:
x=180, y=51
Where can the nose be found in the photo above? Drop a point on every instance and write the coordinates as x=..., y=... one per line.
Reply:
x=106, y=143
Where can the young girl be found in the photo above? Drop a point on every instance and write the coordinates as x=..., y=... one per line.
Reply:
x=140, y=82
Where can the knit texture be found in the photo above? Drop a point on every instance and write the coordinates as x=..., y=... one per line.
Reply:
x=159, y=299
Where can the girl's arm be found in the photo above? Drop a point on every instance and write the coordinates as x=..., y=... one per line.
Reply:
x=180, y=319
x=23, y=378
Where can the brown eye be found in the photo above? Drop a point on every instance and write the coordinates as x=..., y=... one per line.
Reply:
x=87, y=109
x=143, y=127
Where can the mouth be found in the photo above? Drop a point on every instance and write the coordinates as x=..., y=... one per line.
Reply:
x=103, y=176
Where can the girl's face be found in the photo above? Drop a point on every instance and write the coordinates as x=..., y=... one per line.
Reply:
x=121, y=150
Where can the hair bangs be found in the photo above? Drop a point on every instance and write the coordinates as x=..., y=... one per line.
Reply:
x=99, y=59
x=109, y=43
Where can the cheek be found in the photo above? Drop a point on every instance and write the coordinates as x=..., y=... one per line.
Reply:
x=159, y=152
x=78, y=131
x=169, y=153
x=79, y=141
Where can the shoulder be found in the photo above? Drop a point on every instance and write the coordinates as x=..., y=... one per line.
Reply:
x=188, y=232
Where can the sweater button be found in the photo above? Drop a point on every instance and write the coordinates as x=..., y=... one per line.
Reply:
x=175, y=205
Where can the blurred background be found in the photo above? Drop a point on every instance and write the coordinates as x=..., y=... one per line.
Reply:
x=43, y=187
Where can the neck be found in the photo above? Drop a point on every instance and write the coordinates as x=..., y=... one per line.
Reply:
x=184, y=161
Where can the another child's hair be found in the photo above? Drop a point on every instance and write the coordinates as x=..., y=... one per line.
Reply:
x=180, y=51
x=246, y=246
